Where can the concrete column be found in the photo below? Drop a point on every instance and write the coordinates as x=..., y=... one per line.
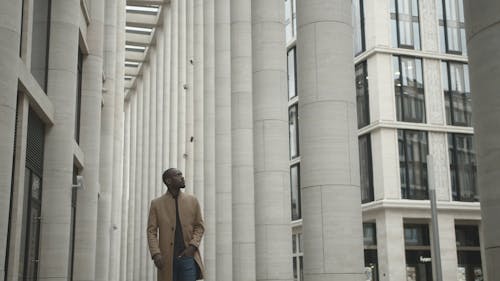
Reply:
x=90, y=123
x=223, y=178
x=209, y=139
x=126, y=188
x=448, y=246
x=118, y=139
x=160, y=80
x=167, y=93
x=242, y=170
x=104, y=227
x=270, y=121
x=174, y=78
x=146, y=181
x=139, y=147
x=189, y=97
x=132, y=186
x=152, y=180
x=59, y=142
x=391, y=247
x=328, y=141
x=181, y=86
x=198, y=91
x=483, y=42
x=10, y=32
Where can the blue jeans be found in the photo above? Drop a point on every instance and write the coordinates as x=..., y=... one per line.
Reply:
x=185, y=269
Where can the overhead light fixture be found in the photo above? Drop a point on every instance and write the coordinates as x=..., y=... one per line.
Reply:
x=135, y=48
x=138, y=29
x=150, y=9
x=131, y=64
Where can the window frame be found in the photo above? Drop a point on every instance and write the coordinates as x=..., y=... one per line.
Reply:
x=448, y=94
x=443, y=22
x=402, y=116
x=365, y=97
x=456, y=187
x=371, y=191
x=406, y=193
x=395, y=16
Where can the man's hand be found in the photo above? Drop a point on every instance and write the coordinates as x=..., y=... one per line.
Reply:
x=188, y=252
x=159, y=262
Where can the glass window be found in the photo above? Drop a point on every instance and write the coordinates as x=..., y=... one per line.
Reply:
x=452, y=26
x=293, y=131
x=417, y=252
x=365, y=168
x=290, y=20
x=297, y=257
x=292, y=76
x=78, y=95
x=413, y=150
x=457, y=94
x=463, y=169
x=295, y=192
x=358, y=17
x=370, y=251
x=40, y=42
x=362, y=98
x=405, y=24
x=468, y=253
x=409, y=89
x=33, y=197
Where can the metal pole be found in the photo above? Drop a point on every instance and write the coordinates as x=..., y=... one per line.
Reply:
x=434, y=218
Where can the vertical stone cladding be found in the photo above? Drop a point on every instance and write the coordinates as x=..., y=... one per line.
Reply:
x=152, y=180
x=270, y=122
x=160, y=80
x=122, y=274
x=10, y=33
x=104, y=227
x=132, y=187
x=118, y=188
x=189, y=136
x=144, y=187
x=174, y=78
x=138, y=180
x=223, y=212
x=209, y=139
x=90, y=124
x=167, y=93
x=482, y=20
x=198, y=92
x=331, y=206
x=242, y=165
x=181, y=86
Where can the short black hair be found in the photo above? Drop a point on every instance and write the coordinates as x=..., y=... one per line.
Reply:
x=167, y=173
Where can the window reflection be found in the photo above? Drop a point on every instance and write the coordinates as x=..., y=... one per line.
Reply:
x=413, y=150
x=405, y=24
x=409, y=89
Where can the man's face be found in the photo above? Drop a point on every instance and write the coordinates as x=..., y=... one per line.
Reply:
x=175, y=180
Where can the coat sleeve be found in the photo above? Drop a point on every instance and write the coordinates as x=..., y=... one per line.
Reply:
x=152, y=231
x=198, y=226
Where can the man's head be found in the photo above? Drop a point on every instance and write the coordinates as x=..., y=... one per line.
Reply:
x=173, y=179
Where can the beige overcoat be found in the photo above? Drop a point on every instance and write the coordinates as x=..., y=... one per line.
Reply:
x=161, y=229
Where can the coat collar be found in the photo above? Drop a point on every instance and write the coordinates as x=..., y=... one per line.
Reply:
x=170, y=196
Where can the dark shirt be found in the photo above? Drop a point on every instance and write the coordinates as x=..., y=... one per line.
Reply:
x=179, y=239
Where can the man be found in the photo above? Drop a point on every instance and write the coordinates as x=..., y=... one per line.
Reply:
x=175, y=229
